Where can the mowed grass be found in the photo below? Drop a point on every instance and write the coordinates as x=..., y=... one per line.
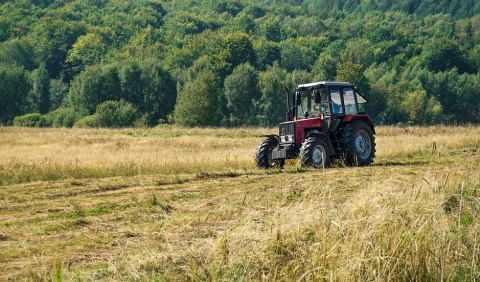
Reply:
x=175, y=204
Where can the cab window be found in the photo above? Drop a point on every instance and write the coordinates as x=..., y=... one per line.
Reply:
x=349, y=101
x=336, y=98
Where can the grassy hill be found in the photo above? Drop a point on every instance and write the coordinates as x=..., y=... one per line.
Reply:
x=174, y=204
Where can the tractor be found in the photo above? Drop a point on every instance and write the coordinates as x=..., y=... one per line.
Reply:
x=326, y=123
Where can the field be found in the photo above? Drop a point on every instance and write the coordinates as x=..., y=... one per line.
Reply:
x=176, y=204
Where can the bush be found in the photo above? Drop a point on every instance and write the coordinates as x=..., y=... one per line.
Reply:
x=112, y=114
x=31, y=120
x=116, y=114
x=88, y=121
x=63, y=117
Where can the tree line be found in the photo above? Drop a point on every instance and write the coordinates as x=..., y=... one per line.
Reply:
x=120, y=63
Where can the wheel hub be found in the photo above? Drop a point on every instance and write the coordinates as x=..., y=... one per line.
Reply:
x=318, y=156
x=363, y=144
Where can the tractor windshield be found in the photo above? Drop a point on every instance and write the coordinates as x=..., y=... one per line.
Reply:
x=313, y=104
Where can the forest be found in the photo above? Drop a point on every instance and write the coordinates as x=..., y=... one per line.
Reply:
x=206, y=63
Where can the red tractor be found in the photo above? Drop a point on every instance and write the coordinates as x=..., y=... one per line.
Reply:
x=326, y=122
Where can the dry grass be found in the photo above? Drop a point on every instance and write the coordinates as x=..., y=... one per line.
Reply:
x=51, y=154
x=173, y=204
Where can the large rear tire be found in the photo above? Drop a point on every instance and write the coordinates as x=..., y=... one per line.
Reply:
x=263, y=155
x=314, y=152
x=358, y=143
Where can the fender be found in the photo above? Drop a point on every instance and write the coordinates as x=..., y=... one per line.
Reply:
x=273, y=137
x=324, y=137
x=363, y=117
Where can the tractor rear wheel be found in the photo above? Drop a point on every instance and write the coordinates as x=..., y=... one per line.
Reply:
x=314, y=152
x=263, y=155
x=358, y=143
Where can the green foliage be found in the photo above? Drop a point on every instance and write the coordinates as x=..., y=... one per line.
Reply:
x=88, y=50
x=241, y=90
x=444, y=54
x=40, y=92
x=238, y=49
x=79, y=54
x=325, y=68
x=95, y=85
x=272, y=29
x=86, y=122
x=31, y=120
x=13, y=92
x=17, y=52
x=272, y=105
x=198, y=102
x=54, y=37
x=353, y=73
x=267, y=52
x=295, y=56
x=115, y=114
x=62, y=117
x=58, y=93
x=422, y=109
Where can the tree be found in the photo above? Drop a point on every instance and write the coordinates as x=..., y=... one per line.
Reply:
x=422, y=109
x=241, y=89
x=267, y=53
x=296, y=57
x=272, y=29
x=53, y=39
x=159, y=92
x=358, y=51
x=115, y=114
x=298, y=77
x=58, y=93
x=444, y=54
x=231, y=7
x=198, y=101
x=272, y=106
x=88, y=50
x=353, y=73
x=93, y=86
x=17, y=52
x=238, y=50
x=245, y=23
x=132, y=83
x=40, y=92
x=13, y=93
x=325, y=68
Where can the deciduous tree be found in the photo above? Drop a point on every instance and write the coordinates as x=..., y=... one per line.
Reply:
x=241, y=90
x=198, y=101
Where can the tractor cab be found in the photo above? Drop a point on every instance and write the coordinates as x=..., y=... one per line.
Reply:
x=327, y=99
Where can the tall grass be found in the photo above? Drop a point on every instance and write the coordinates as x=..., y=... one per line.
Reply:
x=28, y=154
x=412, y=216
x=51, y=154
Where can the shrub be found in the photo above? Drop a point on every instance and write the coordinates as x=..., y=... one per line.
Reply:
x=31, y=120
x=116, y=114
x=112, y=114
x=63, y=117
x=88, y=121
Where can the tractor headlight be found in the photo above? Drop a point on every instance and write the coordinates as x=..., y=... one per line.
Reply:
x=286, y=138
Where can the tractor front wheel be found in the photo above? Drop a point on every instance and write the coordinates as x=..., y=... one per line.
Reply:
x=263, y=155
x=314, y=152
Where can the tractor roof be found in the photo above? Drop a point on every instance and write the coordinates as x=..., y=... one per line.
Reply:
x=324, y=83
x=360, y=98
